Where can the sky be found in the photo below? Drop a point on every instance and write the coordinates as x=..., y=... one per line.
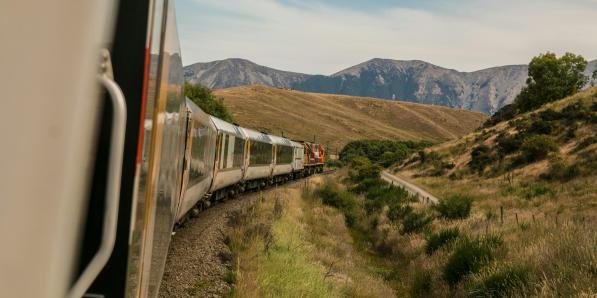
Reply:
x=326, y=36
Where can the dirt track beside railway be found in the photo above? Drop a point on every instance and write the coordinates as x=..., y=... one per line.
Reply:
x=198, y=257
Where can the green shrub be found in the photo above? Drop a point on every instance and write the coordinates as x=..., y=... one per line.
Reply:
x=505, y=113
x=384, y=152
x=469, y=256
x=379, y=196
x=397, y=211
x=508, y=143
x=362, y=168
x=481, y=157
x=540, y=127
x=456, y=206
x=207, y=101
x=332, y=196
x=532, y=190
x=559, y=169
x=499, y=282
x=368, y=184
x=537, y=147
x=333, y=163
x=422, y=283
x=413, y=222
x=550, y=115
x=440, y=239
x=576, y=111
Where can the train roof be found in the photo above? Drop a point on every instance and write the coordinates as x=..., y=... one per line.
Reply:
x=296, y=144
x=256, y=135
x=227, y=127
x=280, y=140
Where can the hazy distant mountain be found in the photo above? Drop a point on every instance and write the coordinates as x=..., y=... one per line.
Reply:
x=485, y=90
x=238, y=72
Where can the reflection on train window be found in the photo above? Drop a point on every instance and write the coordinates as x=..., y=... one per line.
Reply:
x=283, y=154
x=197, y=167
x=237, y=159
x=224, y=155
x=261, y=153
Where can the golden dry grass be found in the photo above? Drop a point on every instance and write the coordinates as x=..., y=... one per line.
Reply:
x=338, y=119
x=549, y=227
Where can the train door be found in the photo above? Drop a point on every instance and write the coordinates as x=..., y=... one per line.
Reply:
x=147, y=65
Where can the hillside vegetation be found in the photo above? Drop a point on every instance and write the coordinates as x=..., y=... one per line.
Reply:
x=530, y=185
x=336, y=120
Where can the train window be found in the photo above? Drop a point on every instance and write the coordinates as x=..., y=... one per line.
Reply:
x=224, y=155
x=261, y=153
x=237, y=159
x=283, y=154
x=199, y=142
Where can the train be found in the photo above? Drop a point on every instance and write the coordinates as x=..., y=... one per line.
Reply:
x=222, y=160
x=103, y=155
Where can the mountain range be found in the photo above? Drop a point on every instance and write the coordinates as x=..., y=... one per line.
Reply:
x=417, y=81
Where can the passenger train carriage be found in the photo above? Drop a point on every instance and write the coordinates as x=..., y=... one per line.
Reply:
x=112, y=155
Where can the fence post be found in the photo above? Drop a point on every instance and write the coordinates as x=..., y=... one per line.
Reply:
x=516, y=218
x=502, y=215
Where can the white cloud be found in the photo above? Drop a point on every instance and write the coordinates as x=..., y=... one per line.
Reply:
x=325, y=39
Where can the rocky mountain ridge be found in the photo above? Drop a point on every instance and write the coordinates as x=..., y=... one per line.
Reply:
x=418, y=81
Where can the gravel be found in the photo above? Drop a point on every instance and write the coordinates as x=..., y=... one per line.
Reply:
x=198, y=257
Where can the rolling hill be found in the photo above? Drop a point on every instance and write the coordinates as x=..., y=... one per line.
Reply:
x=335, y=120
x=484, y=90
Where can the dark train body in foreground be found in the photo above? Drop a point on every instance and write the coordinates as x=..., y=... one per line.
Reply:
x=112, y=155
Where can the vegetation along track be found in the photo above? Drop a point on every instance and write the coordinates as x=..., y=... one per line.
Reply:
x=198, y=257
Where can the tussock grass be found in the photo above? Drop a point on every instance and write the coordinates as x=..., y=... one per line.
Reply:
x=309, y=253
x=544, y=209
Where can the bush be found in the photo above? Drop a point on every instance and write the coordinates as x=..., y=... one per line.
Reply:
x=422, y=283
x=413, y=222
x=499, y=282
x=507, y=112
x=368, y=184
x=342, y=200
x=469, y=256
x=455, y=207
x=550, y=115
x=333, y=163
x=540, y=127
x=481, y=157
x=397, y=211
x=381, y=195
x=576, y=111
x=536, y=189
x=508, y=143
x=537, y=147
x=441, y=239
x=384, y=152
x=207, y=101
x=561, y=170
x=362, y=168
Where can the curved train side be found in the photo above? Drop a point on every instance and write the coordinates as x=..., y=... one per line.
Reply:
x=223, y=159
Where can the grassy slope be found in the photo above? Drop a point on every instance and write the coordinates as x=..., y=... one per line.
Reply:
x=309, y=254
x=337, y=119
x=549, y=225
